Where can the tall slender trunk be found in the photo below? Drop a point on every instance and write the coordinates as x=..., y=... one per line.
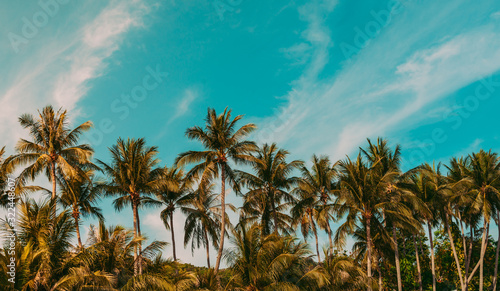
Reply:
x=328, y=228
x=173, y=236
x=54, y=184
x=136, y=265
x=464, y=244
x=457, y=261
x=379, y=271
x=484, y=242
x=223, y=218
x=369, y=253
x=139, y=259
x=495, y=273
x=433, y=267
x=420, y=245
x=418, y=265
x=480, y=255
x=469, y=256
x=77, y=226
x=396, y=255
x=329, y=231
x=208, y=246
x=315, y=235
x=275, y=215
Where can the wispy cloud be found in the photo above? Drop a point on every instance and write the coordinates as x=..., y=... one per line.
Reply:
x=183, y=106
x=59, y=71
x=190, y=95
x=389, y=81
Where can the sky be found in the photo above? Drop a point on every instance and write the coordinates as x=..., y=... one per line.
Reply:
x=317, y=76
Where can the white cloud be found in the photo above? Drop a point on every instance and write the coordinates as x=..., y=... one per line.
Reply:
x=190, y=95
x=183, y=106
x=403, y=70
x=58, y=71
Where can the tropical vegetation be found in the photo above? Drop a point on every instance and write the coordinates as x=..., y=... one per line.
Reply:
x=373, y=224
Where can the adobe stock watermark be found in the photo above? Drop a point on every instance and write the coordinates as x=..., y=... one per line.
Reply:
x=381, y=19
x=126, y=102
x=11, y=236
x=455, y=116
x=221, y=6
x=32, y=25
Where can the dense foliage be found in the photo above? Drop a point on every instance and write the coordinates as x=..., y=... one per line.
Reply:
x=428, y=228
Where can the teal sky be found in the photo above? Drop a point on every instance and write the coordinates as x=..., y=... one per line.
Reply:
x=315, y=76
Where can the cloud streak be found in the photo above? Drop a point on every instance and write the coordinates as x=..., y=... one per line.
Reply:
x=59, y=71
x=387, y=84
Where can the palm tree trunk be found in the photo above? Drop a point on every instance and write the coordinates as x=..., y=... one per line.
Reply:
x=480, y=255
x=396, y=254
x=464, y=243
x=139, y=259
x=173, y=236
x=77, y=226
x=329, y=231
x=316, y=236
x=483, y=251
x=208, y=246
x=275, y=215
x=369, y=253
x=469, y=256
x=433, y=266
x=136, y=265
x=495, y=273
x=223, y=218
x=457, y=261
x=54, y=184
x=379, y=271
x=418, y=265
x=420, y=245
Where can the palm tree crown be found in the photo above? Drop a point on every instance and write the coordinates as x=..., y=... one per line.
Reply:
x=54, y=147
x=269, y=187
x=223, y=142
x=132, y=174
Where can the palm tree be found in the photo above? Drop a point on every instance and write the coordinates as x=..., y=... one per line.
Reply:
x=482, y=174
x=430, y=187
x=54, y=147
x=110, y=252
x=112, y=248
x=462, y=208
x=359, y=198
x=132, y=174
x=319, y=182
x=268, y=187
x=383, y=160
x=272, y=262
x=223, y=142
x=46, y=238
x=82, y=278
x=81, y=196
x=202, y=221
x=381, y=247
x=172, y=195
x=344, y=273
x=305, y=212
